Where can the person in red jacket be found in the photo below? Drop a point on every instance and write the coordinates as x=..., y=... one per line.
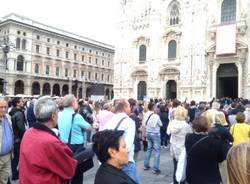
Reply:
x=43, y=157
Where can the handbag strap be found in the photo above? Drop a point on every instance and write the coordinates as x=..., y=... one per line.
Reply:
x=148, y=119
x=195, y=144
x=233, y=129
x=70, y=132
x=119, y=123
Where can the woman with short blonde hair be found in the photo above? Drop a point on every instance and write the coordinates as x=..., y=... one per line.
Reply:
x=178, y=128
x=180, y=113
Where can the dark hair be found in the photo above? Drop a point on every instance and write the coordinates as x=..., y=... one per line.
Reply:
x=151, y=106
x=192, y=102
x=104, y=140
x=15, y=101
x=240, y=117
x=132, y=103
x=200, y=124
x=176, y=103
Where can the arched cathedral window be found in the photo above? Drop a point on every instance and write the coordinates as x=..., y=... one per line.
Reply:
x=172, y=49
x=142, y=53
x=174, y=14
x=228, y=11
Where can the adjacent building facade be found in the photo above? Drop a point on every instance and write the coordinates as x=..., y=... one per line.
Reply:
x=183, y=49
x=50, y=61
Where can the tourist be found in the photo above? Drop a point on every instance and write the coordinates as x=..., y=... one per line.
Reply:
x=111, y=150
x=43, y=157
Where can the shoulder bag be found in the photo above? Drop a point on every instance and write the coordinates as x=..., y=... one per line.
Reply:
x=180, y=173
x=83, y=155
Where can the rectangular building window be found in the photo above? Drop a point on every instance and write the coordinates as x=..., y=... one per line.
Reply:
x=108, y=64
x=102, y=62
x=96, y=61
x=48, y=51
x=75, y=73
x=89, y=59
x=67, y=55
x=102, y=77
x=89, y=75
x=75, y=47
x=82, y=74
x=75, y=56
x=58, y=42
x=47, y=70
x=57, y=52
x=67, y=45
x=37, y=48
x=108, y=78
x=37, y=68
x=48, y=39
x=66, y=72
x=82, y=58
x=90, y=50
x=57, y=71
x=96, y=76
x=37, y=37
x=96, y=52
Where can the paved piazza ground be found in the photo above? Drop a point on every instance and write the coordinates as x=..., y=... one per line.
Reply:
x=147, y=177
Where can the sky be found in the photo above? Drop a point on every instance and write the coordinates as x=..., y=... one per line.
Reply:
x=95, y=19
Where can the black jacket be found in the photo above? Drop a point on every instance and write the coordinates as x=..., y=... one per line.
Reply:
x=108, y=174
x=18, y=122
x=203, y=159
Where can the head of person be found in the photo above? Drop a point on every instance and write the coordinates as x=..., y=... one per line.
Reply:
x=46, y=111
x=152, y=107
x=201, y=124
x=176, y=103
x=240, y=117
x=110, y=147
x=70, y=101
x=220, y=118
x=215, y=105
x=122, y=105
x=17, y=102
x=192, y=103
x=133, y=103
x=238, y=164
x=180, y=113
x=3, y=107
x=108, y=106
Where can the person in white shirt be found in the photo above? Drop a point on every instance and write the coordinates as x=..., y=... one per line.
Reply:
x=121, y=121
x=152, y=122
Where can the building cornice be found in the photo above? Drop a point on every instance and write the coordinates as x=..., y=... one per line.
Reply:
x=27, y=22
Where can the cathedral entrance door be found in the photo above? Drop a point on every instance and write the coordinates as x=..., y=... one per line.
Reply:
x=171, y=89
x=227, y=81
x=141, y=90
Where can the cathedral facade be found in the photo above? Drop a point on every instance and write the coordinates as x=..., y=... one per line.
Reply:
x=183, y=49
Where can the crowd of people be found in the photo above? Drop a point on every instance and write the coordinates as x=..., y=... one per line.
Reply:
x=39, y=139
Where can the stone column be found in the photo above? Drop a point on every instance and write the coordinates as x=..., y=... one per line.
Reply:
x=239, y=66
x=135, y=89
x=70, y=86
x=83, y=90
x=214, y=83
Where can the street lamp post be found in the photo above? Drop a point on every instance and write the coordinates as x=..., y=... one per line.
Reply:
x=6, y=46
